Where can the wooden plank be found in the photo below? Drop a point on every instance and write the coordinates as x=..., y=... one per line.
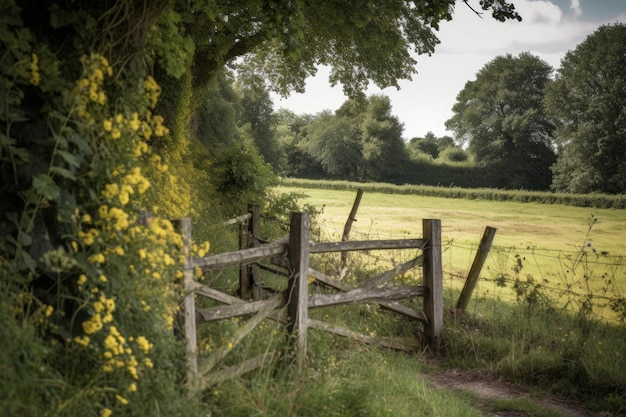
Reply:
x=477, y=266
x=242, y=332
x=361, y=295
x=189, y=305
x=407, y=344
x=374, y=282
x=298, y=285
x=391, y=306
x=235, y=310
x=240, y=219
x=237, y=370
x=214, y=294
x=433, y=277
x=320, y=247
x=227, y=259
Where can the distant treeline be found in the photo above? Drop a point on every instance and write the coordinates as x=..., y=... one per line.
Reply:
x=522, y=196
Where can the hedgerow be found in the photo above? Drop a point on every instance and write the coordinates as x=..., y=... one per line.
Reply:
x=522, y=196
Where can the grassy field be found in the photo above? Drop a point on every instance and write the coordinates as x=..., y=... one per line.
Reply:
x=557, y=245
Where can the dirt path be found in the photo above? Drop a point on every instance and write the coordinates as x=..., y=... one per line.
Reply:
x=486, y=386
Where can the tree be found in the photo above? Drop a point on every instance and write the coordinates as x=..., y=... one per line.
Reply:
x=501, y=116
x=588, y=99
x=258, y=112
x=335, y=145
x=381, y=141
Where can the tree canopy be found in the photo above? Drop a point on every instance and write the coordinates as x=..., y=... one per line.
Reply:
x=500, y=115
x=588, y=99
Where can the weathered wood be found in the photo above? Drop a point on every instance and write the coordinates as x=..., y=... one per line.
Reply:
x=433, y=277
x=242, y=332
x=391, y=306
x=477, y=266
x=297, y=310
x=230, y=372
x=348, y=226
x=320, y=247
x=214, y=294
x=189, y=304
x=235, y=310
x=244, y=243
x=407, y=344
x=226, y=259
x=239, y=219
x=255, y=232
x=374, y=282
x=361, y=295
x=274, y=271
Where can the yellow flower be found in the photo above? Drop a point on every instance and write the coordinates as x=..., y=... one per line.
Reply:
x=81, y=280
x=106, y=412
x=102, y=278
x=132, y=387
x=121, y=399
x=82, y=340
x=34, y=70
x=92, y=325
x=148, y=363
x=143, y=344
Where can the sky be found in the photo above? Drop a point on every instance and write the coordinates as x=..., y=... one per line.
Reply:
x=549, y=30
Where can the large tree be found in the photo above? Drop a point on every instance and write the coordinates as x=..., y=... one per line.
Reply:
x=588, y=98
x=501, y=116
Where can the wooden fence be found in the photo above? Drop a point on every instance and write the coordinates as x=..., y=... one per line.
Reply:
x=290, y=257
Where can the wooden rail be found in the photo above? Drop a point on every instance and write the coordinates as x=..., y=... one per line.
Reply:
x=293, y=252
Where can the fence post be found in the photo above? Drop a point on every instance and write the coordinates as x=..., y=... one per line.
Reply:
x=433, y=277
x=249, y=273
x=244, y=243
x=348, y=226
x=297, y=307
x=477, y=265
x=189, y=304
x=255, y=232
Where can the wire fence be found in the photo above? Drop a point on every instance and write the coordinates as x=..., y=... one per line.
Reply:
x=575, y=280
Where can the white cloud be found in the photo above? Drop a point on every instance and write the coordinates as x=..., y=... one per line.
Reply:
x=575, y=8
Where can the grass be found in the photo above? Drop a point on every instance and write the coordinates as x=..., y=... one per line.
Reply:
x=516, y=327
x=546, y=240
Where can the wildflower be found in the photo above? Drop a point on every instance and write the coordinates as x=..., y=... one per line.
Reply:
x=121, y=399
x=34, y=70
x=82, y=340
x=81, y=280
x=92, y=325
x=106, y=412
x=143, y=344
x=132, y=387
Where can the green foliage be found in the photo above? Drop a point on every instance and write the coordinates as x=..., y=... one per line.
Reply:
x=501, y=116
x=587, y=99
x=241, y=175
x=578, y=200
x=88, y=294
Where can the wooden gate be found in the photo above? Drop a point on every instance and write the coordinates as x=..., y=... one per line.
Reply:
x=292, y=255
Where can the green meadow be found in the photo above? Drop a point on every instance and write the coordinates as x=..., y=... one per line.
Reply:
x=563, y=247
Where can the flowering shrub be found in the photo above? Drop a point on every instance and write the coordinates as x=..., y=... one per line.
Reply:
x=88, y=292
